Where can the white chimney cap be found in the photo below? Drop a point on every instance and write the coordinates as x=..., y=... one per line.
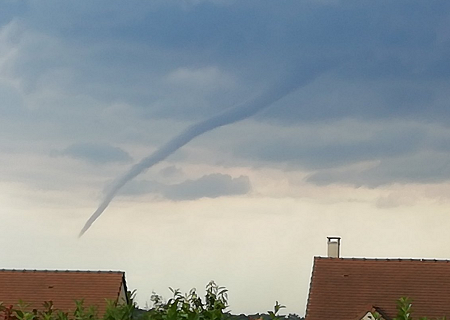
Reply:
x=334, y=244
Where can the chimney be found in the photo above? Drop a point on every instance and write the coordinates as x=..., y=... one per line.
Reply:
x=334, y=244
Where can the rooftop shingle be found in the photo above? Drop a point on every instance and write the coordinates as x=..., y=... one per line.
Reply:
x=61, y=287
x=342, y=288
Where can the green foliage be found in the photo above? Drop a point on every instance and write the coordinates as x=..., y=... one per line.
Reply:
x=190, y=306
x=404, y=309
x=274, y=314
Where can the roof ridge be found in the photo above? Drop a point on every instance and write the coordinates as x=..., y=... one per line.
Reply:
x=383, y=259
x=60, y=271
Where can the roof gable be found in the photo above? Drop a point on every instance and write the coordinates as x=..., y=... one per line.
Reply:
x=369, y=314
x=342, y=287
x=63, y=288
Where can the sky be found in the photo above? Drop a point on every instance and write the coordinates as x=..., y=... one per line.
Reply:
x=349, y=136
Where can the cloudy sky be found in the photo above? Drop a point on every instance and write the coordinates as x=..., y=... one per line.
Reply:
x=351, y=138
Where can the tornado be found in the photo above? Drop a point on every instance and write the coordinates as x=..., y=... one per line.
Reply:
x=229, y=116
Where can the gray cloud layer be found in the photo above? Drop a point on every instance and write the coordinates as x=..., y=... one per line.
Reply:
x=377, y=63
x=96, y=153
x=429, y=167
x=208, y=186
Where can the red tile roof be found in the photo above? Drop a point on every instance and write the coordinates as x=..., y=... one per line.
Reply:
x=342, y=288
x=62, y=287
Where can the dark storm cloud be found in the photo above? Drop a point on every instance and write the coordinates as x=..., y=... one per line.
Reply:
x=125, y=51
x=11, y=103
x=375, y=61
x=354, y=153
x=208, y=186
x=171, y=171
x=319, y=153
x=96, y=153
x=11, y=9
x=430, y=167
x=370, y=42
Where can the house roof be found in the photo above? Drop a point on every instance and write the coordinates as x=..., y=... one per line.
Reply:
x=341, y=288
x=34, y=287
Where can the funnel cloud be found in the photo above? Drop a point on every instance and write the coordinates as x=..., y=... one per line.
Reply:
x=240, y=112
